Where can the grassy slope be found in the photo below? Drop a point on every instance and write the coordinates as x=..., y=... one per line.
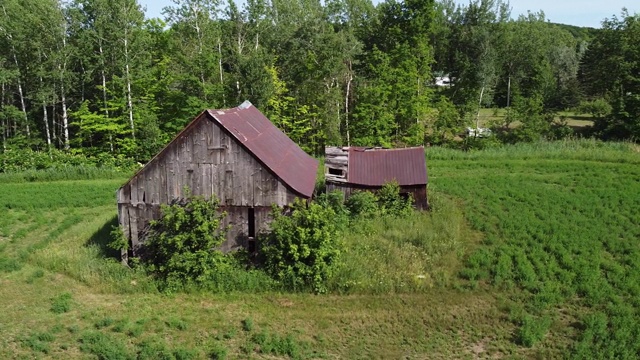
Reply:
x=522, y=199
x=490, y=116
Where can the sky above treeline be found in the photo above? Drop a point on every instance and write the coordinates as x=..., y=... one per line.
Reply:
x=573, y=12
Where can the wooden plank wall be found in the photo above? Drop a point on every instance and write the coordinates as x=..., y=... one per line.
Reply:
x=207, y=160
x=336, y=158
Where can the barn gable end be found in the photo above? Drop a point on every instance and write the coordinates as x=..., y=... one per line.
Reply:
x=208, y=158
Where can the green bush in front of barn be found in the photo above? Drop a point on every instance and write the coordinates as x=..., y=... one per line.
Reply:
x=181, y=246
x=182, y=251
x=301, y=247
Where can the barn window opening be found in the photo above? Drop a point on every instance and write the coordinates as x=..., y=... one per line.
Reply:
x=336, y=172
x=251, y=245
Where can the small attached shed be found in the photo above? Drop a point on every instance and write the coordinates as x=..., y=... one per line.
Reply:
x=235, y=154
x=351, y=169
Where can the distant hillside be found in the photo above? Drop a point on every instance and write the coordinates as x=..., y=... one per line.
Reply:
x=579, y=32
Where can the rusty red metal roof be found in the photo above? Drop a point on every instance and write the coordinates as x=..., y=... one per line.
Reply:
x=270, y=146
x=375, y=167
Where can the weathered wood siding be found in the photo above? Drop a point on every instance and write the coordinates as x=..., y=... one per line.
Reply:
x=207, y=160
x=336, y=164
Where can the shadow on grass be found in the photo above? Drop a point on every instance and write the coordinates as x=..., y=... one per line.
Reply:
x=102, y=238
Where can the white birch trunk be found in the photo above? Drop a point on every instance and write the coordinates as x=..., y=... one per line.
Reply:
x=20, y=92
x=104, y=90
x=45, y=118
x=196, y=25
x=65, y=118
x=128, y=79
x=63, y=97
x=224, y=100
x=4, y=122
x=478, y=113
x=104, y=81
x=22, y=103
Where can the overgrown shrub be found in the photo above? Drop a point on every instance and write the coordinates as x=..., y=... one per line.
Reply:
x=335, y=201
x=181, y=247
x=533, y=330
x=39, y=342
x=61, y=304
x=104, y=346
x=363, y=204
x=392, y=203
x=301, y=248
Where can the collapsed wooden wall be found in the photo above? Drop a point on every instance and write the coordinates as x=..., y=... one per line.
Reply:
x=336, y=164
x=209, y=161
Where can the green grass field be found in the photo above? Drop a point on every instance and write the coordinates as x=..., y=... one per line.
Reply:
x=488, y=117
x=530, y=252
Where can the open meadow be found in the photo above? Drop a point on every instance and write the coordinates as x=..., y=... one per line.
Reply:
x=530, y=251
x=488, y=117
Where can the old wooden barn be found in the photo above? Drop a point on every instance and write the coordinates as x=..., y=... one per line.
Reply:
x=235, y=154
x=351, y=169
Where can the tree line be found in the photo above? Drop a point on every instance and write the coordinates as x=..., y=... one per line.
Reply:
x=95, y=77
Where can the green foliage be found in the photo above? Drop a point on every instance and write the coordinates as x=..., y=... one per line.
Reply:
x=65, y=173
x=274, y=344
x=151, y=349
x=104, y=322
x=610, y=71
x=335, y=201
x=15, y=160
x=247, y=324
x=37, y=274
x=39, y=342
x=61, y=303
x=104, y=346
x=175, y=323
x=598, y=108
x=301, y=247
x=534, y=122
x=119, y=240
x=9, y=264
x=532, y=330
x=218, y=352
x=391, y=201
x=363, y=204
x=448, y=122
x=181, y=247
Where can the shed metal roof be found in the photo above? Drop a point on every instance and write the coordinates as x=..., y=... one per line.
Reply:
x=375, y=167
x=271, y=146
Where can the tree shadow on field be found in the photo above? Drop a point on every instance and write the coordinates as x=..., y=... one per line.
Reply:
x=102, y=238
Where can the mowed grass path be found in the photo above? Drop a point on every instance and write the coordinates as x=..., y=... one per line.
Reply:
x=550, y=271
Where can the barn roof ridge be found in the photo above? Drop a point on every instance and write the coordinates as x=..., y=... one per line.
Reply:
x=274, y=149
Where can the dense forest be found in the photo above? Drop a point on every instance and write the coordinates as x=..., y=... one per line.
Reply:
x=97, y=79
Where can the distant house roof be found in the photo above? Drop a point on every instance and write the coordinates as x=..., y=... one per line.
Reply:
x=375, y=167
x=270, y=146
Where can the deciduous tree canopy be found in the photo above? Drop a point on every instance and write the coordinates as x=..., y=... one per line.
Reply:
x=95, y=77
